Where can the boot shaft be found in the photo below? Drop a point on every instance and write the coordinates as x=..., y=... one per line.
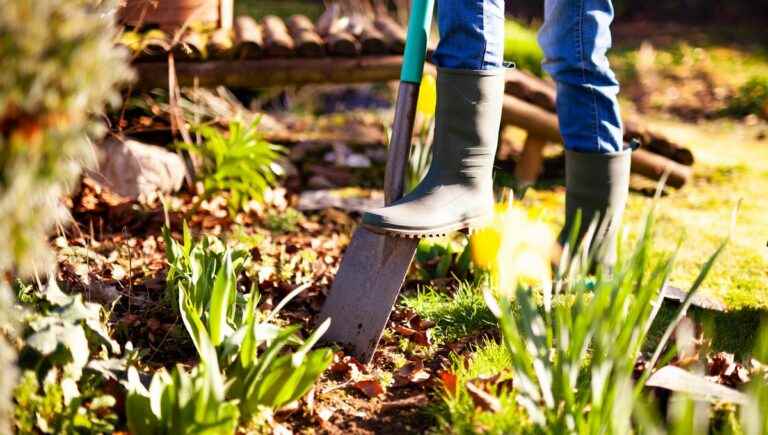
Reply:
x=467, y=124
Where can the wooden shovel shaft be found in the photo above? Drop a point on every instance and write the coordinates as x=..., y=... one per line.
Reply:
x=400, y=142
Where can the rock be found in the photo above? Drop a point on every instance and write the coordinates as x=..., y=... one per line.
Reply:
x=138, y=171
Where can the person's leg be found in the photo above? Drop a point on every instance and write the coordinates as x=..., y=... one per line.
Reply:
x=471, y=34
x=458, y=189
x=575, y=38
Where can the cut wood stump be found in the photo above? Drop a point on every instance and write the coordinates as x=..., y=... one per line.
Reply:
x=277, y=41
x=308, y=42
x=249, y=41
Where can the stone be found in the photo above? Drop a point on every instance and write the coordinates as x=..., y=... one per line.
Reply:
x=138, y=171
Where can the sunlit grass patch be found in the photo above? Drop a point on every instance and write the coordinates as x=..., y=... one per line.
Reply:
x=456, y=315
x=458, y=413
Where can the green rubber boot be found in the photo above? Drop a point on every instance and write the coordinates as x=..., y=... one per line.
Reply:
x=457, y=191
x=598, y=185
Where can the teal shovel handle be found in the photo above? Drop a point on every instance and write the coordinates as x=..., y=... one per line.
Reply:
x=419, y=24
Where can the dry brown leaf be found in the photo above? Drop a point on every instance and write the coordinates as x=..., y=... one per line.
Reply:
x=370, y=387
x=482, y=399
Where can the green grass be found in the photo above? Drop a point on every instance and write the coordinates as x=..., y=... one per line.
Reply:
x=456, y=413
x=731, y=165
x=458, y=314
x=282, y=8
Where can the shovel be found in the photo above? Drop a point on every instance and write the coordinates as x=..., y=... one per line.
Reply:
x=374, y=266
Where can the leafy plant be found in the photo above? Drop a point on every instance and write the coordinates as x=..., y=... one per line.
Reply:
x=67, y=347
x=246, y=347
x=284, y=221
x=181, y=402
x=240, y=162
x=58, y=69
x=250, y=351
x=573, y=364
x=199, y=266
x=439, y=258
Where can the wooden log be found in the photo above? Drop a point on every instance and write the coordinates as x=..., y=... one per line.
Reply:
x=541, y=93
x=342, y=43
x=220, y=44
x=308, y=42
x=249, y=41
x=530, y=88
x=394, y=34
x=544, y=124
x=531, y=162
x=277, y=41
x=191, y=46
x=154, y=46
x=371, y=39
x=272, y=72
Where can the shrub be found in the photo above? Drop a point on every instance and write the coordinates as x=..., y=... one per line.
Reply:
x=66, y=360
x=58, y=69
x=240, y=162
x=751, y=99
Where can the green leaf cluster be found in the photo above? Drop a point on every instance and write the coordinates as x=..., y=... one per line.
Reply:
x=58, y=71
x=66, y=358
x=246, y=360
x=239, y=162
x=198, y=267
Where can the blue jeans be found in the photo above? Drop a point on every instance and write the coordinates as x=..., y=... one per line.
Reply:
x=575, y=38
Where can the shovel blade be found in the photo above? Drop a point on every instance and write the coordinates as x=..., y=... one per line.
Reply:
x=365, y=289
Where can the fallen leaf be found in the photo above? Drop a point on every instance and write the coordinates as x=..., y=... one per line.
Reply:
x=412, y=373
x=482, y=399
x=370, y=387
x=449, y=380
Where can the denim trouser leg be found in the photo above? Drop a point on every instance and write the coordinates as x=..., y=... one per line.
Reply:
x=471, y=34
x=575, y=38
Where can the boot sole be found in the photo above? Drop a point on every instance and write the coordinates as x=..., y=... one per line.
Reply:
x=470, y=225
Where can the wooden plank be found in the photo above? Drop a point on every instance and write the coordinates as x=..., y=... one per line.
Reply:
x=308, y=42
x=271, y=72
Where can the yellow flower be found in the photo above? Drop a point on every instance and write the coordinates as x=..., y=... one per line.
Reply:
x=485, y=245
x=514, y=249
x=427, y=96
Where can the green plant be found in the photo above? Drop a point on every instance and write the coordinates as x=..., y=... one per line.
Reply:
x=249, y=351
x=285, y=221
x=245, y=346
x=58, y=69
x=751, y=98
x=441, y=258
x=240, y=162
x=198, y=267
x=66, y=359
x=458, y=314
x=181, y=402
x=573, y=364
